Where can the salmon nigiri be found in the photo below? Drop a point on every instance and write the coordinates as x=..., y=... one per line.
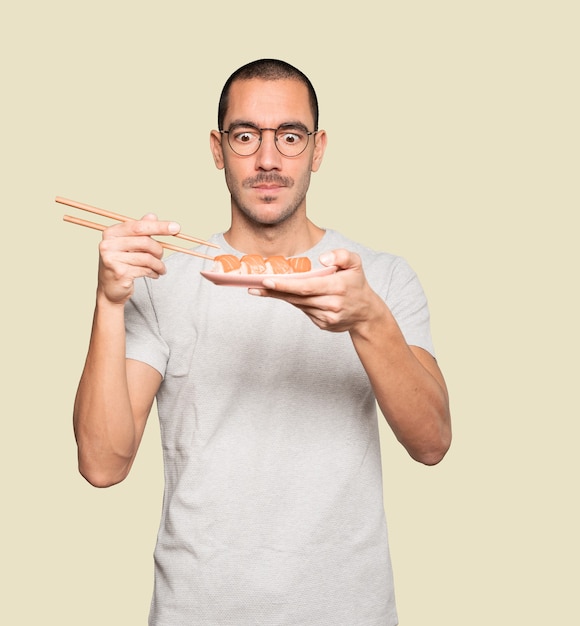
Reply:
x=300, y=264
x=253, y=264
x=256, y=264
x=278, y=265
x=226, y=263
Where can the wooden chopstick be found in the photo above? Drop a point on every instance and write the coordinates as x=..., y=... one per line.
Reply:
x=167, y=246
x=123, y=218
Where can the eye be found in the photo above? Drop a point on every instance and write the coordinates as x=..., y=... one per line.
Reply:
x=291, y=136
x=245, y=135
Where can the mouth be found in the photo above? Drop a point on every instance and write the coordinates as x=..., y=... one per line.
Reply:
x=268, y=182
x=265, y=187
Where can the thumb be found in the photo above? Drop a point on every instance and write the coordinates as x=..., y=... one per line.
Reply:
x=343, y=259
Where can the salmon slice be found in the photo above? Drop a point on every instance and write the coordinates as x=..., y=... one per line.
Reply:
x=278, y=265
x=256, y=264
x=253, y=264
x=226, y=263
x=300, y=264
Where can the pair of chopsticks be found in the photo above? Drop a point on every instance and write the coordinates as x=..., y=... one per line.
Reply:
x=123, y=218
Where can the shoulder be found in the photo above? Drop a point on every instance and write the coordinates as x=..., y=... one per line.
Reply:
x=377, y=263
x=392, y=278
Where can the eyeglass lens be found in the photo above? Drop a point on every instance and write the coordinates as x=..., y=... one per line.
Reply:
x=290, y=140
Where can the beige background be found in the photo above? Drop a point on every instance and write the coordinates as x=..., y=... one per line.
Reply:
x=454, y=140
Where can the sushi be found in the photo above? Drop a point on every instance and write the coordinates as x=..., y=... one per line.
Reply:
x=256, y=264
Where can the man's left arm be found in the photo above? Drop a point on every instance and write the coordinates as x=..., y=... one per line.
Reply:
x=407, y=382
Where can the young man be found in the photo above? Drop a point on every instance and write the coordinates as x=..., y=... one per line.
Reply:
x=273, y=509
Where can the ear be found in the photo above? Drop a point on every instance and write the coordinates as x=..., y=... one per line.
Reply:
x=215, y=144
x=320, y=140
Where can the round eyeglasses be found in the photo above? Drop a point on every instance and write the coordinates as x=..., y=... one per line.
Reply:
x=290, y=139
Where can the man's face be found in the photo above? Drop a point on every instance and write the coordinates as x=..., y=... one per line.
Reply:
x=268, y=187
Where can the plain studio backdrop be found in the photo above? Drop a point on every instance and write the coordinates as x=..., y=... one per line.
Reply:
x=453, y=141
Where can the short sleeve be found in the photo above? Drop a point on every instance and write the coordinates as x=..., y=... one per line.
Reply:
x=408, y=303
x=143, y=339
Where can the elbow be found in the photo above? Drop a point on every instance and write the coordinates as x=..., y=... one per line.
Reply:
x=437, y=439
x=102, y=468
x=431, y=458
x=101, y=478
x=433, y=453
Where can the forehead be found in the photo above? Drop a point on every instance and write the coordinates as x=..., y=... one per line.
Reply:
x=269, y=103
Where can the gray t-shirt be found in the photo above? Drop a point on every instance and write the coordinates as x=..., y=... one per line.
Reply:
x=273, y=512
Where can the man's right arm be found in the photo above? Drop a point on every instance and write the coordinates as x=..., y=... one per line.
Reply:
x=115, y=394
x=113, y=401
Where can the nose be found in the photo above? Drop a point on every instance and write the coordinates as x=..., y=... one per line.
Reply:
x=267, y=156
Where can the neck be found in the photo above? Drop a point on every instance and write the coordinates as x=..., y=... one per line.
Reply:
x=289, y=238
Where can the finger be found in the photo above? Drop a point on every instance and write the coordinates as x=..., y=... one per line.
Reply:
x=114, y=245
x=323, y=312
x=147, y=227
x=134, y=257
x=145, y=261
x=343, y=259
x=303, y=287
x=118, y=255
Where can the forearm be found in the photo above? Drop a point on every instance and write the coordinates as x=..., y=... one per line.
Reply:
x=104, y=424
x=409, y=387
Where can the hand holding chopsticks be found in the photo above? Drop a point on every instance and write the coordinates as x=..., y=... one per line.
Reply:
x=123, y=218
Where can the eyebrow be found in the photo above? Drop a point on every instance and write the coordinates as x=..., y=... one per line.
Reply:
x=291, y=124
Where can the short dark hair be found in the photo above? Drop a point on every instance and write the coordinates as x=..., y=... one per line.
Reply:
x=267, y=69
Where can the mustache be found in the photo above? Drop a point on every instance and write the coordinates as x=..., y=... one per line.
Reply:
x=268, y=178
